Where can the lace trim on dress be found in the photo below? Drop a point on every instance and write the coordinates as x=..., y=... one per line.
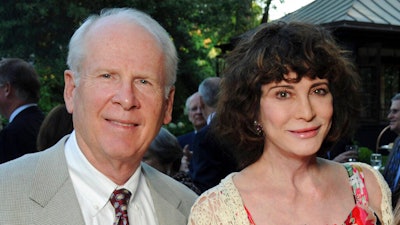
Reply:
x=223, y=205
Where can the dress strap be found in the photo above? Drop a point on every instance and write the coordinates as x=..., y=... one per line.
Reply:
x=357, y=183
x=249, y=216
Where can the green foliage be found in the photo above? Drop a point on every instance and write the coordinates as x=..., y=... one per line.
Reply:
x=364, y=155
x=52, y=87
x=39, y=31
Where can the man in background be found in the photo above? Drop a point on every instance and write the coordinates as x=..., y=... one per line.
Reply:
x=211, y=160
x=19, y=95
x=392, y=167
x=193, y=108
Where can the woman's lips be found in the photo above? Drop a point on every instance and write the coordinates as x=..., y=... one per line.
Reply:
x=306, y=132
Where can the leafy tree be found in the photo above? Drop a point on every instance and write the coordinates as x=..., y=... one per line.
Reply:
x=39, y=30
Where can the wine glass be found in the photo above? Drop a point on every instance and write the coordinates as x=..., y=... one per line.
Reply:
x=352, y=148
x=376, y=161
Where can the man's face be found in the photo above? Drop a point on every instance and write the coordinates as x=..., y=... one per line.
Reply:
x=119, y=104
x=394, y=116
x=195, y=112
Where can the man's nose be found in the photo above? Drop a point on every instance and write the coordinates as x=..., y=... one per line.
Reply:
x=126, y=97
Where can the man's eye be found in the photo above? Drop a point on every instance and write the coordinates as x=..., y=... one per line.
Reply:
x=142, y=81
x=106, y=75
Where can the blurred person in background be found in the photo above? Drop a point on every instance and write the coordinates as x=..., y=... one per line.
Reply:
x=193, y=108
x=392, y=167
x=19, y=96
x=56, y=124
x=211, y=160
x=165, y=154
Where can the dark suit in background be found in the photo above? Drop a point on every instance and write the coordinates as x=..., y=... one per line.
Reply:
x=392, y=167
x=186, y=139
x=19, y=136
x=211, y=160
x=19, y=96
x=193, y=108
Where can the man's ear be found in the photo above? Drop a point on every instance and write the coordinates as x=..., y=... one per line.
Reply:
x=169, y=106
x=69, y=90
x=7, y=89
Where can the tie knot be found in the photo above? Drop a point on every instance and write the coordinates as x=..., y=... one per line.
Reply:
x=119, y=199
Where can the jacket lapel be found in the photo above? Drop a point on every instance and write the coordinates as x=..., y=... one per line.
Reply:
x=54, y=194
x=166, y=201
x=53, y=191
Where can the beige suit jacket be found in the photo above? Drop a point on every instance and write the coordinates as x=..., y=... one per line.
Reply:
x=37, y=189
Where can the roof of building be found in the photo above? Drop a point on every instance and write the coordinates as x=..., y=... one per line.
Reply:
x=371, y=13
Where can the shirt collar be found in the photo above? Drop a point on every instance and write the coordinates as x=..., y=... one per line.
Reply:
x=210, y=117
x=18, y=110
x=96, y=186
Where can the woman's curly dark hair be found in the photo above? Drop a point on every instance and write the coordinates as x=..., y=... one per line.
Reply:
x=264, y=56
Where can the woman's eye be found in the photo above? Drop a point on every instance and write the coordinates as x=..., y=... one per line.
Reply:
x=283, y=94
x=321, y=91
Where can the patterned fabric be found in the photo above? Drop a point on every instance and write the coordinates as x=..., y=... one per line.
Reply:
x=119, y=200
x=361, y=214
x=223, y=204
x=185, y=179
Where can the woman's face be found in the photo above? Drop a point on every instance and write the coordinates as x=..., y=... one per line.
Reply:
x=296, y=117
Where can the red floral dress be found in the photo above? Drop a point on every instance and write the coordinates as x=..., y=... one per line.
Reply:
x=361, y=214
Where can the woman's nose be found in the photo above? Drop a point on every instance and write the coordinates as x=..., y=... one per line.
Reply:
x=305, y=109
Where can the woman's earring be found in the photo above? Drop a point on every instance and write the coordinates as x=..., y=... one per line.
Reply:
x=258, y=128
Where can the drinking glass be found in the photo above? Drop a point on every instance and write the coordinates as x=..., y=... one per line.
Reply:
x=352, y=148
x=376, y=161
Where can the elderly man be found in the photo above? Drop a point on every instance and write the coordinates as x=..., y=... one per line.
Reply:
x=193, y=109
x=211, y=159
x=392, y=169
x=119, y=88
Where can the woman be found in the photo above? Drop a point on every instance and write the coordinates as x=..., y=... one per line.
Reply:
x=287, y=95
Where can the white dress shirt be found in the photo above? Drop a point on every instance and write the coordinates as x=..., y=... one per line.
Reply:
x=210, y=117
x=93, y=190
